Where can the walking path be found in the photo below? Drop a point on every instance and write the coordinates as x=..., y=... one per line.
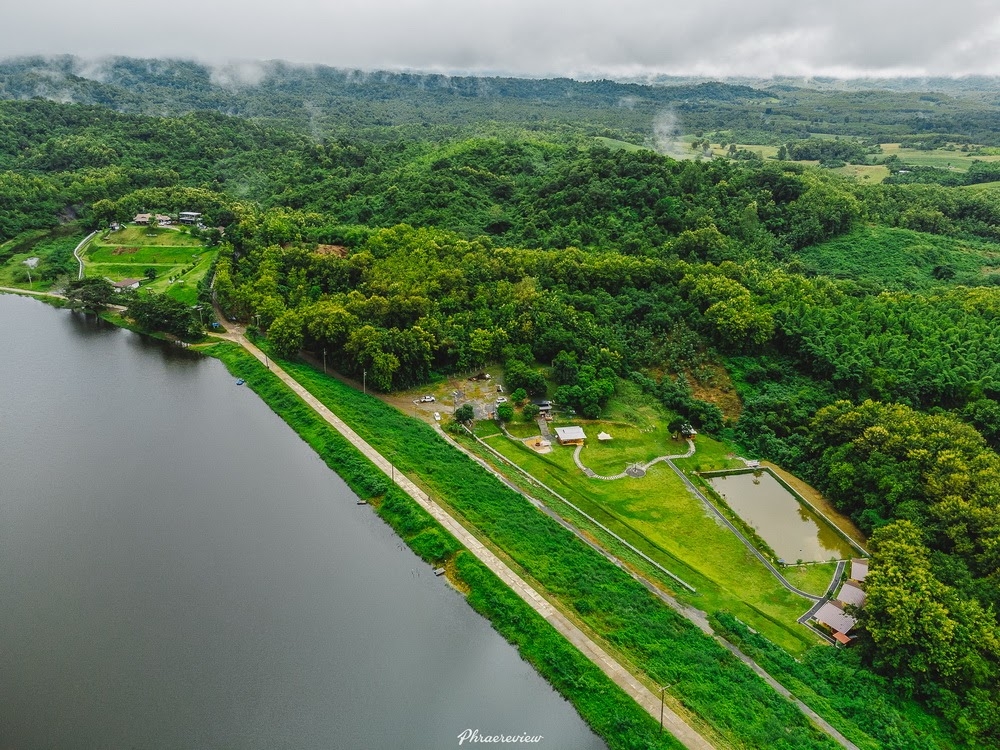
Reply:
x=621, y=676
x=635, y=471
x=76, y=253
x=726, y=522
x=16, y=290
x=696, y=616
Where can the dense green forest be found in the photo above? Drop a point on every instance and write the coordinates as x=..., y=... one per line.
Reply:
x=417, y=225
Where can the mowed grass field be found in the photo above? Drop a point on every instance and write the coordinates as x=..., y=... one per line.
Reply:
x=658, y=515
x=958, y=161
x=180, y=260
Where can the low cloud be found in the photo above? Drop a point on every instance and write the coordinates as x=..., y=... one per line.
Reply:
x=582, y=38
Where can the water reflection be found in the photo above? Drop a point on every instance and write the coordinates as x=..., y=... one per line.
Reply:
x=179, y=570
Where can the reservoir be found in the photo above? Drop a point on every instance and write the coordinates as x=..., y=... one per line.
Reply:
x=179, y=570
x=789, y=527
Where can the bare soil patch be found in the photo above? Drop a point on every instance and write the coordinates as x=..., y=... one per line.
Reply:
x=338, y=250
x=718, y=390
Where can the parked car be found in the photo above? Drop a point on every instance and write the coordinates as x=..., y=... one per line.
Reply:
x=501, y=400
x=428, y=399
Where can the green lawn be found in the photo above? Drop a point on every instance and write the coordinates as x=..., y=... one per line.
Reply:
x=180, y=260
x=136, y=255
x=628, y=445
x=812, y=578
x=145, y=237
x=659, y=516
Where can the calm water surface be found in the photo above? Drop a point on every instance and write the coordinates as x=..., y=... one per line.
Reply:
x=178, y=570
x=791, y=529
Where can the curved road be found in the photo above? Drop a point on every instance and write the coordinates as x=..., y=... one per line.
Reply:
x=76, y=253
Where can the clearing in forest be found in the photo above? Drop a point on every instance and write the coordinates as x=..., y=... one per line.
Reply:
x=176, y=260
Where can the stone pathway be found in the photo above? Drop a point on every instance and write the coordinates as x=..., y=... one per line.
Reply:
x=635, y=471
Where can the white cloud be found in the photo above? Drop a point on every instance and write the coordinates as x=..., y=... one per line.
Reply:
x=535, y=37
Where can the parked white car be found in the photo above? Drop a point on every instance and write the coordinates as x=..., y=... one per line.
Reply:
x=501, y=400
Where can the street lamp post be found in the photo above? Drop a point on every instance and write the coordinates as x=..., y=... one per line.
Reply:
x=364, y=381
x=324, y=360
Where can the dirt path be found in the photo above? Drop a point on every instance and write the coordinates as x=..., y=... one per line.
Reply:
x=621, y=676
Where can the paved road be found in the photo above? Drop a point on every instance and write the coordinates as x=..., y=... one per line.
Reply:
x=76, y=253
x=621, y=676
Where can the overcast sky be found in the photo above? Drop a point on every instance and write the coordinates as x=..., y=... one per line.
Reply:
x=533, y=37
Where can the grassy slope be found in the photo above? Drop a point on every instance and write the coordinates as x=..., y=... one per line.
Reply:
x=900, y=258
x=679, y=534
x=709, y=681
x=610, y=712
x=180, y=260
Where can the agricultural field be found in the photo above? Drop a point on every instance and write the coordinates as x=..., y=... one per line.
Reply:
x=870, y=173
x=176, y=260
x=942, y=158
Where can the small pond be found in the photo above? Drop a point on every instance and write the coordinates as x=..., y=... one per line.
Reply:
x=791, y=528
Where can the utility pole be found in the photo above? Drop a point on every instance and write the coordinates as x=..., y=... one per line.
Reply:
x=663, y=689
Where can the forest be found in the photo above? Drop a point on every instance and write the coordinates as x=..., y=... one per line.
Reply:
x=418, y=225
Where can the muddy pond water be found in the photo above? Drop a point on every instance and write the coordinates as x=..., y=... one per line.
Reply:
x=791, y=528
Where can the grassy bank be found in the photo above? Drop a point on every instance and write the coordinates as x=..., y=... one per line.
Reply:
x=706, y=678
x=604, y=706
x=659, y=516
x=834, y=684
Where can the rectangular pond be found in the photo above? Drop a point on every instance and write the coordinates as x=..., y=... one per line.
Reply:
x=792, y=529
